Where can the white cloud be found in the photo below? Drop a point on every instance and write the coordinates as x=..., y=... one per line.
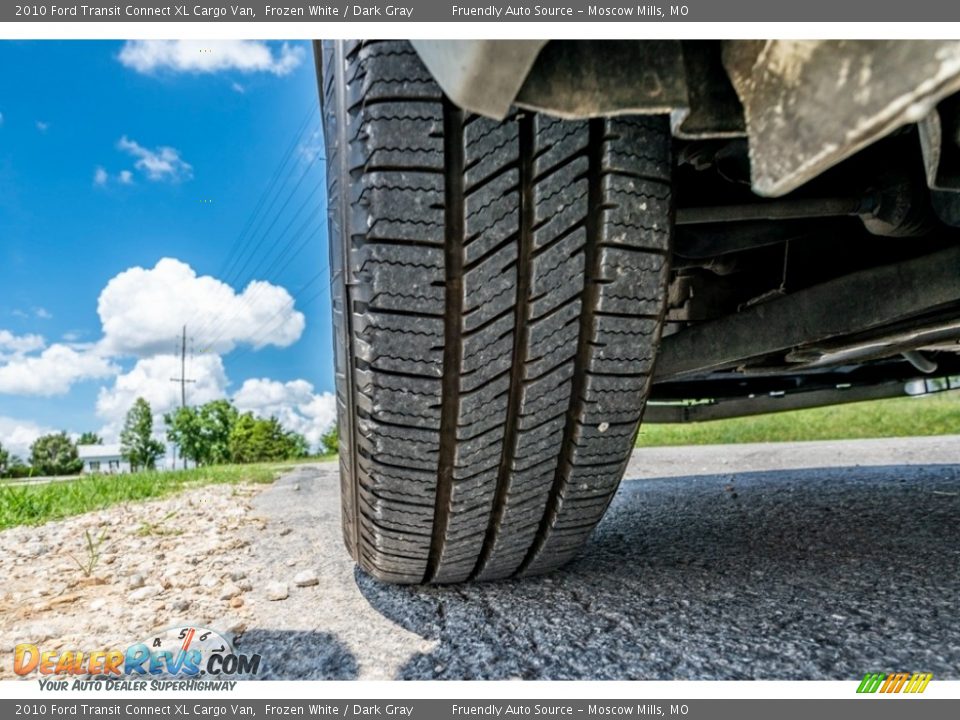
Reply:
x=53, y=371
x=19, y=344
x=42, y=313
x=150, y=378
x=18, y=435
x=125, y=177
x=238, y=88
x=198, y=56
x=143, y=310
x=293, y=403
x=42, y=126
x=161, y=163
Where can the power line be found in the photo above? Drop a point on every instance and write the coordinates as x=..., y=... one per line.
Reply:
x=245, y=259
x=238, y=279
x=267, y=326
x=255, y=220
x=276, y=217
x=231, y=257
x=249, y=301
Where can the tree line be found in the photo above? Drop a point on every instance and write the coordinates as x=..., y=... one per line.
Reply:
x=211, y=434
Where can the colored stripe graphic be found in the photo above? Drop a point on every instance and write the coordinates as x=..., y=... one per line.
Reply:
x=918, y=683
x=894, y=682
x=870, y=683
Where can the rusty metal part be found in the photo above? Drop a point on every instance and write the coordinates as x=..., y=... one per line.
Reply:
x=940, y=142
x=590, y=78
x=946, y=206
x=777, y=210
x=920, y=361
x=846, y=306
x=809, y=104
x=885, y=345
x=482, y=76
x=805, y=105
x=714, y=243
x=714, y=109
x=768, y=403
x=901, y=207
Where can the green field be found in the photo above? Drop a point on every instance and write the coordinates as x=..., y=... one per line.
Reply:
x=34, y=504
x=936, y=414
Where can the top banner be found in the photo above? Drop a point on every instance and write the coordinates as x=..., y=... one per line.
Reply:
x=479, y=11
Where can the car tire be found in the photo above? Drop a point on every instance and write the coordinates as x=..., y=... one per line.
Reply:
x=498, y=292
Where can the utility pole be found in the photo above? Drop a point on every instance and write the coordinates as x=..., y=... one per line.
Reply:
x=183, y=380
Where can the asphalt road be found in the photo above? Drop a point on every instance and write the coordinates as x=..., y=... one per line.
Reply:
x=788, y=561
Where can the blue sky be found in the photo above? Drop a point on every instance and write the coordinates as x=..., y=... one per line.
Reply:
x=154, y=155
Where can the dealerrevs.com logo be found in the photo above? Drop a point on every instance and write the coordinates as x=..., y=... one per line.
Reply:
x=185, y=651
x=895, y=683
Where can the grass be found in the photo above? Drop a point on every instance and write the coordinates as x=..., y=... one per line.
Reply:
x=93, y=553
x=937, y=414
x=34, y=504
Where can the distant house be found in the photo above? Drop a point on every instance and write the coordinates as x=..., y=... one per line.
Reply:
x=104, y=459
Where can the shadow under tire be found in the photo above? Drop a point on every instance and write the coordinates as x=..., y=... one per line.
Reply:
x=498, y=292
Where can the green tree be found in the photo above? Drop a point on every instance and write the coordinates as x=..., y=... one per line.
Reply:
x=90, y=438
x=331, y=440
x=137, y=444
x=297, y=445
x=4, y=460
x=183, y=428
x=55, y=454
x=255, y=439
x=17, y=468
x=203, y=434
x=217, y=419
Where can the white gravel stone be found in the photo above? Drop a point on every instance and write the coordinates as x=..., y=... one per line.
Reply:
x=277, y=591
x=209, y=581
x=147, y=591
x=229, y=591
x=230, y=625
x=305, y=578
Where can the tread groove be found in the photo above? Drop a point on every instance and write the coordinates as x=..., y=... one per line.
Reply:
x=453, y=347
